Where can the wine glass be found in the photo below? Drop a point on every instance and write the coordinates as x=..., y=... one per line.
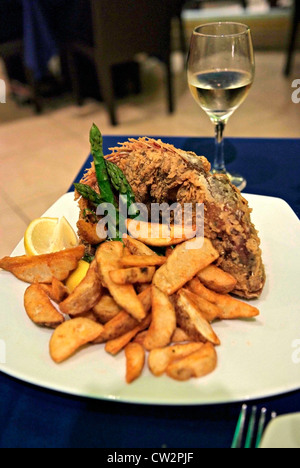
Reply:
x=221, y=70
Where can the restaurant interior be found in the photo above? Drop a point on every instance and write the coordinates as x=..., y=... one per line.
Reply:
x=42, y=104
x=66, y=64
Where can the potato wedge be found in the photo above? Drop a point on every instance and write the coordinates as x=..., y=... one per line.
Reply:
x=106, y=309
x=160, y=358
x=216, y=279
x=115, y=346
x=90, y=315
x=42, y=268
x=136, y=247
x=135, y=361
x=86, y=295
x=169, y=251
x=192, y=321
x=142, y=261
x=59, y=291
x=119, y=325
x=140, y=337
x=109, y=256
x=48, y=289
x=140, y=287
x=163, y=322
x=126, y=252
x=158, y=235
x=179, y=336
x=123, y=322
x=56, y=291
x=133, y=275
x=183, y=264
x=72, y=335
x=39, y=308
x=209, y=310
x=198, y=364
x=230, y=307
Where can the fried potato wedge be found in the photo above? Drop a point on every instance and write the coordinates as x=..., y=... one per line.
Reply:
x=140, y=337
x=86, y=295
x=179, y=336
x=160, y=358
x=88, y=232
x=159, y=235
x=198, y=364
x=216, y=279
x=106, y=309
x=169, y=251
x=135, y=361
x=48, y=289
x=133, y=275
x=42, y=268
x=119, y=325
x=109, y=256
x=72, y=335
x=123, y=322
x=183, y=264
x=192, y=321
x=209, y=310
x=136, y=247
x=90, y=315
x=230, y=307
x=39, y=308
x=163, y=322
x=142, y=261
x=59, y=291
x=115, y=346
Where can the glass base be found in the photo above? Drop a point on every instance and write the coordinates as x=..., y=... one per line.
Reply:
x=235, y=179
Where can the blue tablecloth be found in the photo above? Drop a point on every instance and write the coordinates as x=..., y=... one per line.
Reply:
x=34, y=417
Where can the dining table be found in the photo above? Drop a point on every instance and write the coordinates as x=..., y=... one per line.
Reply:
x=38, y=416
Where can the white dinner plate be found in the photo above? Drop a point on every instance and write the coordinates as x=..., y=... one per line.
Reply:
x=257, y=358
x=283, y=432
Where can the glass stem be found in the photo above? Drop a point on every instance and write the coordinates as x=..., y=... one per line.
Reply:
x=219, y=163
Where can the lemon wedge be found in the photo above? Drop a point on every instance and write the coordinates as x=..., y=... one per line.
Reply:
x=64, y=236
x=77, y=276
x=48, y=235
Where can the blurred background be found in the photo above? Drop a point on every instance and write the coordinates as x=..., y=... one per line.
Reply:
x=121, y=64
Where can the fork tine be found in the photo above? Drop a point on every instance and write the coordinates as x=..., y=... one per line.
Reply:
x=238, y=435
x=261, y=426
x=251, y=427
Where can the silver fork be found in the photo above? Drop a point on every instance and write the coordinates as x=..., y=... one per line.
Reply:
x=250, y=437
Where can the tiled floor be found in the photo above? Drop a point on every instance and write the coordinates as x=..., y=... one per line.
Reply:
x=40, y=155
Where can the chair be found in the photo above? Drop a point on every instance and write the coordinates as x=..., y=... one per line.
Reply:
x=122, y=29
x=12, y=46
x=16, y=48
x=293, y=36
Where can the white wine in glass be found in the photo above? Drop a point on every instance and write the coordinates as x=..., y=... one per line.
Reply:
x=221, y=70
